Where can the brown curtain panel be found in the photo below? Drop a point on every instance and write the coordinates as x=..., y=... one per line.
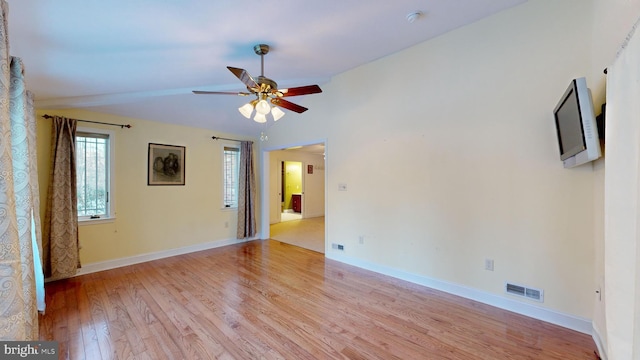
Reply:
x=60, y=247
x=246, y=192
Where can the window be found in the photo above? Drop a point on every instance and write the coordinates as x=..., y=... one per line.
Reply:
x=94, y=165
x=231, y=163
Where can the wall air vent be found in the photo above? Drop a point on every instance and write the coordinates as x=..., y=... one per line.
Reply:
x=525, y=291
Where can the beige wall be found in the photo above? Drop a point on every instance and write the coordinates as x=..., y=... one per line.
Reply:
x=612, y=22
x=151, y=218
x=450, y=156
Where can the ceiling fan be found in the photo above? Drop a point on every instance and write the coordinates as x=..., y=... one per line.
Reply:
x=265, y=90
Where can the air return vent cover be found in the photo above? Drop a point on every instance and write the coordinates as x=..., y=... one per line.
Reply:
x=525, y=291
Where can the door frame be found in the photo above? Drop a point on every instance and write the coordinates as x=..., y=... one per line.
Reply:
x=265, y=221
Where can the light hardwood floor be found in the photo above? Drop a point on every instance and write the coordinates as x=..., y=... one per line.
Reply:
x=271, y=300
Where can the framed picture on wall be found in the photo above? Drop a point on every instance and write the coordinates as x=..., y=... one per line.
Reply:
x=166, y=164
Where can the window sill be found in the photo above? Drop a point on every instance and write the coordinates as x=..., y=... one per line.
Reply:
x=96, y=221
x=230, y=208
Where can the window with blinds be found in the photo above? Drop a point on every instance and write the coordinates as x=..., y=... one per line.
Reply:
x=231, y=163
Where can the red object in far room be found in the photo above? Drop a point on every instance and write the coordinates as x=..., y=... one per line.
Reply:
x=296, y=202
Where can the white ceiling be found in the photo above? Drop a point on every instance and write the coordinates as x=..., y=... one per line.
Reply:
x=142, y=58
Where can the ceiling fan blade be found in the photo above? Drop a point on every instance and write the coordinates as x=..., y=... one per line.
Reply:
x=288, y=105
x=301, y=90
x=244, y=76
x=239, y=93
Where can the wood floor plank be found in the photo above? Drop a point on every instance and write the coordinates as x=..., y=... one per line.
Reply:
x=95, y=293
x=89, y=334
x=270, y=300
x=76, y=349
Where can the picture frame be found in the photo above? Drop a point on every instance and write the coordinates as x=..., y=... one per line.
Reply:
x=166, y=164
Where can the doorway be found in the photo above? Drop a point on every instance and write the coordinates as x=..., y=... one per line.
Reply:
x=294, y=189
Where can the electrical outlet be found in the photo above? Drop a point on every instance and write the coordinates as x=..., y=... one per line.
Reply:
x=226, y=224
x=488, y=264
x=361, y=239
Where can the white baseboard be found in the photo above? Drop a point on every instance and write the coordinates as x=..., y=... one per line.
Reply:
x=554, y=317
x=112, y=264
x=602, y=348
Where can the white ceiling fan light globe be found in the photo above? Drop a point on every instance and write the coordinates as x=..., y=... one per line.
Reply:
x=246, y=110
x=260, y=118
x=277, y=113
x=263, y=107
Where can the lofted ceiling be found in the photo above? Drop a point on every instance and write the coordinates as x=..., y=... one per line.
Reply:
x=143, y=58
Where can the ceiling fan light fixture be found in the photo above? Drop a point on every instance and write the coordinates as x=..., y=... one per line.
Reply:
x=263, y=107
x=266, y=92
x=260, y=118
x=277, y=113
x=246, y=110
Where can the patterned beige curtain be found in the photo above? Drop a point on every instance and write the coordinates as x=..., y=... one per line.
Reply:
x=60, y=244
x=18, y=198
x=29, y=147
x=246, y=192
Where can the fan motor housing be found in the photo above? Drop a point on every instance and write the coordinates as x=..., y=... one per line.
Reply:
x=266, y=84
x=261, y=49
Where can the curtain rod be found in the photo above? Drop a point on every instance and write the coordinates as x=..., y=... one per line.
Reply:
x=47, y=116
x=221, y=138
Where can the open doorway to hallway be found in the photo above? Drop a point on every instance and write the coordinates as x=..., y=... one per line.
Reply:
x=297, y=196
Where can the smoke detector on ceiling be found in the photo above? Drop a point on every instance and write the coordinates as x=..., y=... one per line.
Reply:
x=411, y=17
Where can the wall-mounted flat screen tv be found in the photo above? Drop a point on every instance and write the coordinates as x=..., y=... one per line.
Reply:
x=576, y=125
